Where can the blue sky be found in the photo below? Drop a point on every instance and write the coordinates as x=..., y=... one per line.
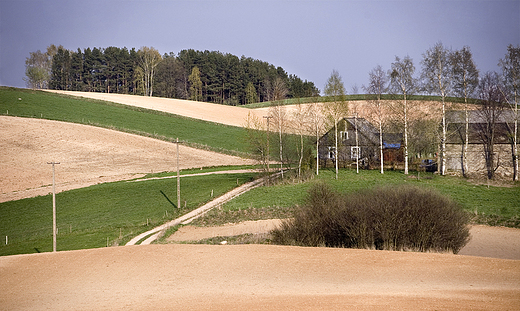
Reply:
x=306, y=38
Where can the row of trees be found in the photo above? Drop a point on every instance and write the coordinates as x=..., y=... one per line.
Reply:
x=444, y=72
x=198, y=75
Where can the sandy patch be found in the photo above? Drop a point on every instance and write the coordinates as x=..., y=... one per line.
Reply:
x=88, y=155
x=255, y=277
x=486, y=241
x=192, y=233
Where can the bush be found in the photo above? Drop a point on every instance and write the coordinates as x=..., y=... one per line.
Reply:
x=389, y=218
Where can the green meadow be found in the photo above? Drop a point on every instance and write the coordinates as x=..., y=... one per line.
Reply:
x=105, y=214
x=489, y=205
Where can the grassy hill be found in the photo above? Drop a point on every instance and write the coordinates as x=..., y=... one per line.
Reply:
x=193, y=132
x=110, y=213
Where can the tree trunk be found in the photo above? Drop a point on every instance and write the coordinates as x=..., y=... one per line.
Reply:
x=336, y=146
x=405, y=137
x=443, y=146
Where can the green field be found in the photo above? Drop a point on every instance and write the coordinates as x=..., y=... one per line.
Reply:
x=195, y=133
x=87, y=217
x=492, y=205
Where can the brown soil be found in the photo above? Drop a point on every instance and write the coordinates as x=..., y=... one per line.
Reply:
x=255, y=277
x=495, y=242
x=88, y=155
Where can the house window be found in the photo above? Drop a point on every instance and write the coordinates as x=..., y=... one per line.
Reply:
x=332, y=152
x=343, y=135
x=354, y=152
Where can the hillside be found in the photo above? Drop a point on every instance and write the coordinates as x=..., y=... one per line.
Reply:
x=223, y=114
x=88, y=155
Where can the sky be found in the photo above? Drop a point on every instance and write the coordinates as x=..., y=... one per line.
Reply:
x=307, y=38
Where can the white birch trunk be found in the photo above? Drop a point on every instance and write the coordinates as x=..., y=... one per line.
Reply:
x=405, y=136
x=336, y=146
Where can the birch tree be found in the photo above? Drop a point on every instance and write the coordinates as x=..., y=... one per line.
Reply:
x=279, y=114
x=149, y=58
x=335, y=108
x=510, y=65
x=195, y=84
x=316, y=124
x=377, y=85
x=300, y=120
x=465, y=81
x=437, y=79
x=403, y=83
x=490, y=110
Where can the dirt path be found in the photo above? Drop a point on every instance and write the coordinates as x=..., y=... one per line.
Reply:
x=255, y=277
x=157, y=231
x=88, y=155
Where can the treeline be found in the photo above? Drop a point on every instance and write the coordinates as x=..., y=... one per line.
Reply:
x=209, y=76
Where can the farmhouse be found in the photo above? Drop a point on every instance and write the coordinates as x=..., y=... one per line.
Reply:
x=366, y=149
x=479, y=129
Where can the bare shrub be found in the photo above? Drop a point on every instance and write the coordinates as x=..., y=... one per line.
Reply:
x=389, y=218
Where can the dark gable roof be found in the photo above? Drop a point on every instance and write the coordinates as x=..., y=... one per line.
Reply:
x=390, y=140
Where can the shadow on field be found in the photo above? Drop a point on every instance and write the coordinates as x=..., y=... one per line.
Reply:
x=166, y=197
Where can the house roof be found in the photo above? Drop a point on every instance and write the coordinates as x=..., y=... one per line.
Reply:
x=390, y=140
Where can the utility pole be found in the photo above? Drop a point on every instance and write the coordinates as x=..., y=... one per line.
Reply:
x=53, y=206
x=268, y=171
x=178, y=178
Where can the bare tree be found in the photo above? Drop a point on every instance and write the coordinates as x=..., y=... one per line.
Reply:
x=278, y=112
x=300, y=122
x=490, y=111
x=437, y=78
x=510, y=65
x=149, y=58
x=335, y=108
x=403, y=82
x=316, y=125
x=377, y=85
x=465, y=81
x=258, y=140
